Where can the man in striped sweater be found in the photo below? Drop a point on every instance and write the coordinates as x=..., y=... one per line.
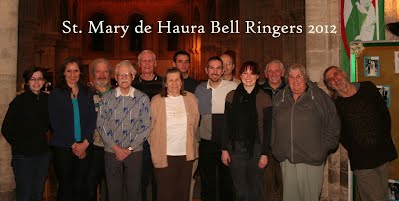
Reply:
x=124, y=123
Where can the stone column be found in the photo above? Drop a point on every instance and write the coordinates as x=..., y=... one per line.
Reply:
x=322, y=50
x=8, y=72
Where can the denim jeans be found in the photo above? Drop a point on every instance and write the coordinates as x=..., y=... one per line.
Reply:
x=30, y=175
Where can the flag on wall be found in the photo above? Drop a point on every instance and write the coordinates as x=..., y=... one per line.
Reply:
x=361, y=20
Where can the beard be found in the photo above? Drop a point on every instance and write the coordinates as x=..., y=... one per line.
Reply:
x=101, y=82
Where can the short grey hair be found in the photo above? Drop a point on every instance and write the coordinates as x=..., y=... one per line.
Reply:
x=125, y=63
x=94, y=63
x=146, y=51
x=275, y=61
x=299, y=67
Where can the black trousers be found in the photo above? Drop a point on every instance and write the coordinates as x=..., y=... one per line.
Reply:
x=147, y=175
x=72, y=174
x=247, y=176
x=216, y=181
x=96, y=175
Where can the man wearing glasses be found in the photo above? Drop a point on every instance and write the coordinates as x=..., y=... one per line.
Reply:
x=151, y=84
x=124, y=123
x=228, y=67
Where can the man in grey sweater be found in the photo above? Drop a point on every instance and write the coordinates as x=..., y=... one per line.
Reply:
x=124, y=123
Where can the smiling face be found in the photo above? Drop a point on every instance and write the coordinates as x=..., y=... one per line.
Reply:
x=297, y=82
x=147, y=63
x=249, y=79
x=124, y=77
x=336, y=79
x=101, y=75
x=36, y=82
x=214, y=70
x=274, y=74
x=72, y=74
x=173, y=83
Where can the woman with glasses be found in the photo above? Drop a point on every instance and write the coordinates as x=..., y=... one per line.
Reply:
x=73, y=120
x=246, y=136
x=305, y=130
x=25, y=127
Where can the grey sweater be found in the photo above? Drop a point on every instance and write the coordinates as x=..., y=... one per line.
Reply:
x=304, y=131
x=124, y=120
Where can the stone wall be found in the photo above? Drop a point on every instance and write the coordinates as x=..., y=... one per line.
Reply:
x=8, y=71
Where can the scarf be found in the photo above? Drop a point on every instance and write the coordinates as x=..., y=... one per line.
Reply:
x=245, y=118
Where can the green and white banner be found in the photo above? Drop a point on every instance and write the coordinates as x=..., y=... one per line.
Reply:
x=361, y=20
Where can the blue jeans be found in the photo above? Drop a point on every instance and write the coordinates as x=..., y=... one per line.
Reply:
x=30, y=175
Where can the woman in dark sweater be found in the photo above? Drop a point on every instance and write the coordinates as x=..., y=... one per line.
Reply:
x=25, y=127
x=246, y=134
x=73, y=120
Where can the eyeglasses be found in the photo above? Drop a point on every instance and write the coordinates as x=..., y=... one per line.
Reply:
x=39, y=79
x=124, y=74
x=227, y=64
x=297, y=78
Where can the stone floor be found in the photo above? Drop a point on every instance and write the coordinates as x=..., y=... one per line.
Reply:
x=50, y=190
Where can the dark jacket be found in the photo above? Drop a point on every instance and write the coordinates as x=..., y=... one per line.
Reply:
x=61, y=117
x=264, y=112
x=190, y=84
x=26, y=123
x=304, y=131
x=269, y=90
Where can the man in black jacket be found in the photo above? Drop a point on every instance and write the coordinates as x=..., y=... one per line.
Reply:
x=273, y=183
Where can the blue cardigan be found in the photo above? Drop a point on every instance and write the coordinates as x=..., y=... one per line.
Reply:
x=61, y=117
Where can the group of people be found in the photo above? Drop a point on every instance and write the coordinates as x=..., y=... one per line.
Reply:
x=249, y=141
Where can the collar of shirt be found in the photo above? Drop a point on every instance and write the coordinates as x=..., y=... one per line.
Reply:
x=208, y=86
x=119, y=93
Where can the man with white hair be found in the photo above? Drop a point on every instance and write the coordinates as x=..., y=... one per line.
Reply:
x=124, y=123
x=273, y=184
x=151, y=84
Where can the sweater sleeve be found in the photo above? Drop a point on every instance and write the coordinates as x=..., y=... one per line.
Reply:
x=383, y=106
x=143, y=128
x=103, y=117
x=10, y=123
